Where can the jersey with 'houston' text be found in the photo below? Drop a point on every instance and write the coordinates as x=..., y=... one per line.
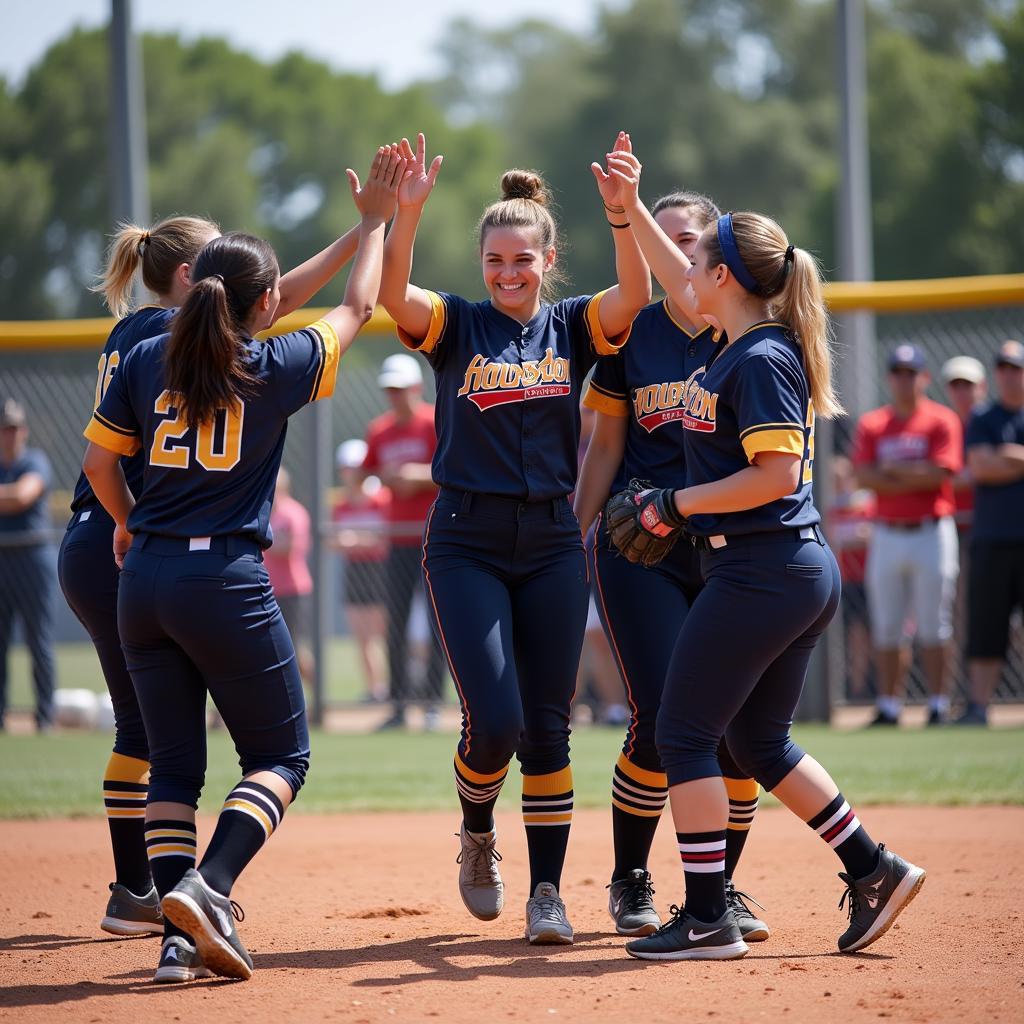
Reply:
x=220, y=478
x=147, y=322
x=647, y=382
x=752, y=396
x=507, y=406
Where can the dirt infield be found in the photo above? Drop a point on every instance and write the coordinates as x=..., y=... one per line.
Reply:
x=357, y=918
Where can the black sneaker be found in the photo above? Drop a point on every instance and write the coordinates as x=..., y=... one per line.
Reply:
x=974, y=714
x=876, y=900
x=180, y=961
x=936, y=716
x=206, y=915
x=883, y=718
x=128, y=914
x=752, y=928
x=631, y=904
x=686, y=938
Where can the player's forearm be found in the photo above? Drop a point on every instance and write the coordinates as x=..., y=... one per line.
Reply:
x=632, y=272
x=398, y=253
x=752, y=487
x=103, y=470
x=918, y=475
x=600, y=464
x=880, y=482
x=666, y=262
x=299, y=285
x=363, y=284
x=22, y=494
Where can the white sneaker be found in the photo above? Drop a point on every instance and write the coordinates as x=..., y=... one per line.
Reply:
x=546, y=923
x=480, y=884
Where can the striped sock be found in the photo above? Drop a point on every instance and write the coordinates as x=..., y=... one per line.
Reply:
x=478, y=794
x=250, y=815
x=547, y=815
x=171, y=847
x=842, y=830
x=125, y=785
x=703, y=857
x=743, y=795
x=638, y=798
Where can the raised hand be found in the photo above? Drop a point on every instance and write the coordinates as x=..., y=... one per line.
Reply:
x=608, y=185
x=419, y=179
x=624, y=167
x=378, y=196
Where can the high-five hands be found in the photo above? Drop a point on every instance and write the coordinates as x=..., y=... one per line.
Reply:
x=377, y=198
x=608, y=185
x=625, y=169
x=419, y=179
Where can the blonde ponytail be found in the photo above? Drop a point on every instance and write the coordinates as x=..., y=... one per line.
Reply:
x=123, y=261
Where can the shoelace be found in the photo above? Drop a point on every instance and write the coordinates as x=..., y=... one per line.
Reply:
x=236, y=911
x=547, y=906
x=675, y=915
x=734, y=900
x=853, y=893
x=484, y=856
x=636, y=895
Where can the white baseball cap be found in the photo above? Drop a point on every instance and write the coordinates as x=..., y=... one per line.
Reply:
x=963, y=368
x=350, y=454
x=400, y=371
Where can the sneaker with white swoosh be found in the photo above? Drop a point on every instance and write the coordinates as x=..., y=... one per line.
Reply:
x=207, y=916
x=683, y=937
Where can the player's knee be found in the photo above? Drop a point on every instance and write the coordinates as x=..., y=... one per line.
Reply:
x=291, y=767
x=685, y=752
x=493, y=741
x=174, y=788
x=769, y=758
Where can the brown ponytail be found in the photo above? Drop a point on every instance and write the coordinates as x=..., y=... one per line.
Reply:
x=790, y=280
x=206, y=358
x=158, y=251
x=524, y=205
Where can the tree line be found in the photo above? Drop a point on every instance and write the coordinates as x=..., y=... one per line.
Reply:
x=731, y=98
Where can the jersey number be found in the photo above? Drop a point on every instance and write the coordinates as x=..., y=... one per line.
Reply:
x=108, y=364
x=809, y=454
x=218, y=441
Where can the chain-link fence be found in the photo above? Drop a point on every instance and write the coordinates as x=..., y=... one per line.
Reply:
x=356, y=597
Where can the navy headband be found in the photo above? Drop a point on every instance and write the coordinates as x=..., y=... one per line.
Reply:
x=731, y=255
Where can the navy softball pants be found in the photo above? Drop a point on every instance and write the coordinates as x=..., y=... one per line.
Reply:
x=507, y=589
x=198, y=621
x=89, y=578
x=642, y=610
x=741, y=658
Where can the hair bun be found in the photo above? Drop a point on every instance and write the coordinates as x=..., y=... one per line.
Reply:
x=516, y=184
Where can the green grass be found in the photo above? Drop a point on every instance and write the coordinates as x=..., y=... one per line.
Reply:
x=55, y=776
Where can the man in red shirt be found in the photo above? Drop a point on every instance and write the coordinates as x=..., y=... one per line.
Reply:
x=399, y=448
x=908, y=453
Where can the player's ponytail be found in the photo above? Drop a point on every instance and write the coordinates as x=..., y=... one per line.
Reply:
x=158, y=251
x=524, y=205
x=207, y=359
x=790, y=280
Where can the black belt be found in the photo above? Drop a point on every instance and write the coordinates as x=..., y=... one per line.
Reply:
x=502, y=507
x=718, y=541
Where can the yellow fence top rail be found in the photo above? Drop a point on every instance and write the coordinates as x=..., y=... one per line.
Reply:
x=934, y=295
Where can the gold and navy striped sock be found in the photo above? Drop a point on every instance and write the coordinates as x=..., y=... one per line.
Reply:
x=547, y=814
x=478, y=794
x=125, y=786
x=638, y=798
x=743, y=796
x=247, y=820
x=171, y=846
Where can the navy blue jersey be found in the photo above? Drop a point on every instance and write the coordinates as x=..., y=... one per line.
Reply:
x=752, y=396
x=507, y=407
x=220, y=478
x=144, y=323
x=998, y=508
x=648, y=382
x=36, y=517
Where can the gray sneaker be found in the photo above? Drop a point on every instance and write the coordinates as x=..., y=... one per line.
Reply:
x=876, y=900
x=206, y=915
x=180, y=961
x=480, y=884
x=631, y=904
x=546, y=923
x=751, y=927
x=128, y=914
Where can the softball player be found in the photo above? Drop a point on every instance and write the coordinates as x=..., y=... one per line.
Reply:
x=208, y=407
x=163, y=254
x=638, y=397
x=771, y=582
x=503, y=563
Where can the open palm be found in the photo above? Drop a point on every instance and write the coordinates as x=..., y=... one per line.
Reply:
x=609, y=185
x=419, y=179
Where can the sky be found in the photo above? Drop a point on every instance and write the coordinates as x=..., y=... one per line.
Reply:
x=399, y=44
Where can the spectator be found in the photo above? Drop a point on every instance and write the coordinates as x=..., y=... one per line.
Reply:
x=26, y=563
x=286, y=565
x=995, y=452
x=966, y=388
x=399, y=449
x=908, y=453
x=360, y=520
x=849, y=532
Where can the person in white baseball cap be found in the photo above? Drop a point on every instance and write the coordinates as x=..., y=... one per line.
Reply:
x=400, y=371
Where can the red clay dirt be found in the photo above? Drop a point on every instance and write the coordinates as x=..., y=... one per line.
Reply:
x=356, y=918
